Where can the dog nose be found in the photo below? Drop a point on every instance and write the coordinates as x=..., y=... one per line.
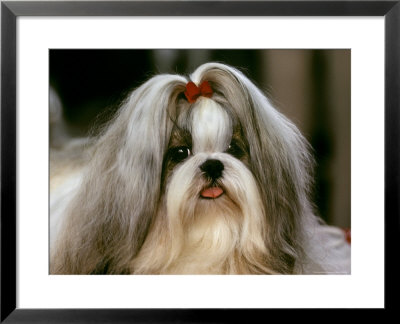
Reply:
x=212, y=168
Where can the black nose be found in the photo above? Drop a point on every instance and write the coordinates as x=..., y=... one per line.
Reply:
x=212, y=168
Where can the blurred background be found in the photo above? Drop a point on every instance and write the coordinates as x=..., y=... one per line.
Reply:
x=311, y=87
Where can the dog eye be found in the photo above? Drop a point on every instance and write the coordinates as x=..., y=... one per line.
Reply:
x=234, y=149
x=179, y=153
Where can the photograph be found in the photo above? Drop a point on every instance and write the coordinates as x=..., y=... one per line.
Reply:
x=199, y=161
x=191, y=161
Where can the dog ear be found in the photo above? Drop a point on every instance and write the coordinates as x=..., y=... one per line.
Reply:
x=109, y=218
x=279, y=158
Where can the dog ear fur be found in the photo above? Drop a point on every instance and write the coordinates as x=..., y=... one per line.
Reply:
x=109, y=217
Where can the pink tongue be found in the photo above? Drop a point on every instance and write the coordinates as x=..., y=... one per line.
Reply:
x=213, y=192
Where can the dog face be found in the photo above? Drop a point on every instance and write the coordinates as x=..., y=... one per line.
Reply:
x=214, y=185
x=206, y=153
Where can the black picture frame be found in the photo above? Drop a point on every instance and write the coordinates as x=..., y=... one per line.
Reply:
x=10, y=10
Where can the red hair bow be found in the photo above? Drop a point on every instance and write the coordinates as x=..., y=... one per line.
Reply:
x=193, y=91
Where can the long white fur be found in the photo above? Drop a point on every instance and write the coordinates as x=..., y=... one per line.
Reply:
x=211, y=127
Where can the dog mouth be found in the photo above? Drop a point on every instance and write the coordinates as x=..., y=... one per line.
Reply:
x=212, y=192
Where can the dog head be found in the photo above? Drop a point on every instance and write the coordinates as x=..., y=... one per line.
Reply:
x=215, y=184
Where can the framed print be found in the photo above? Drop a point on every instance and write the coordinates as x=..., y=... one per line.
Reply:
x=178, y=135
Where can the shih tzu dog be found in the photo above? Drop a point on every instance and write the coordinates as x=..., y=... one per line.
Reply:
x=196, y=175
